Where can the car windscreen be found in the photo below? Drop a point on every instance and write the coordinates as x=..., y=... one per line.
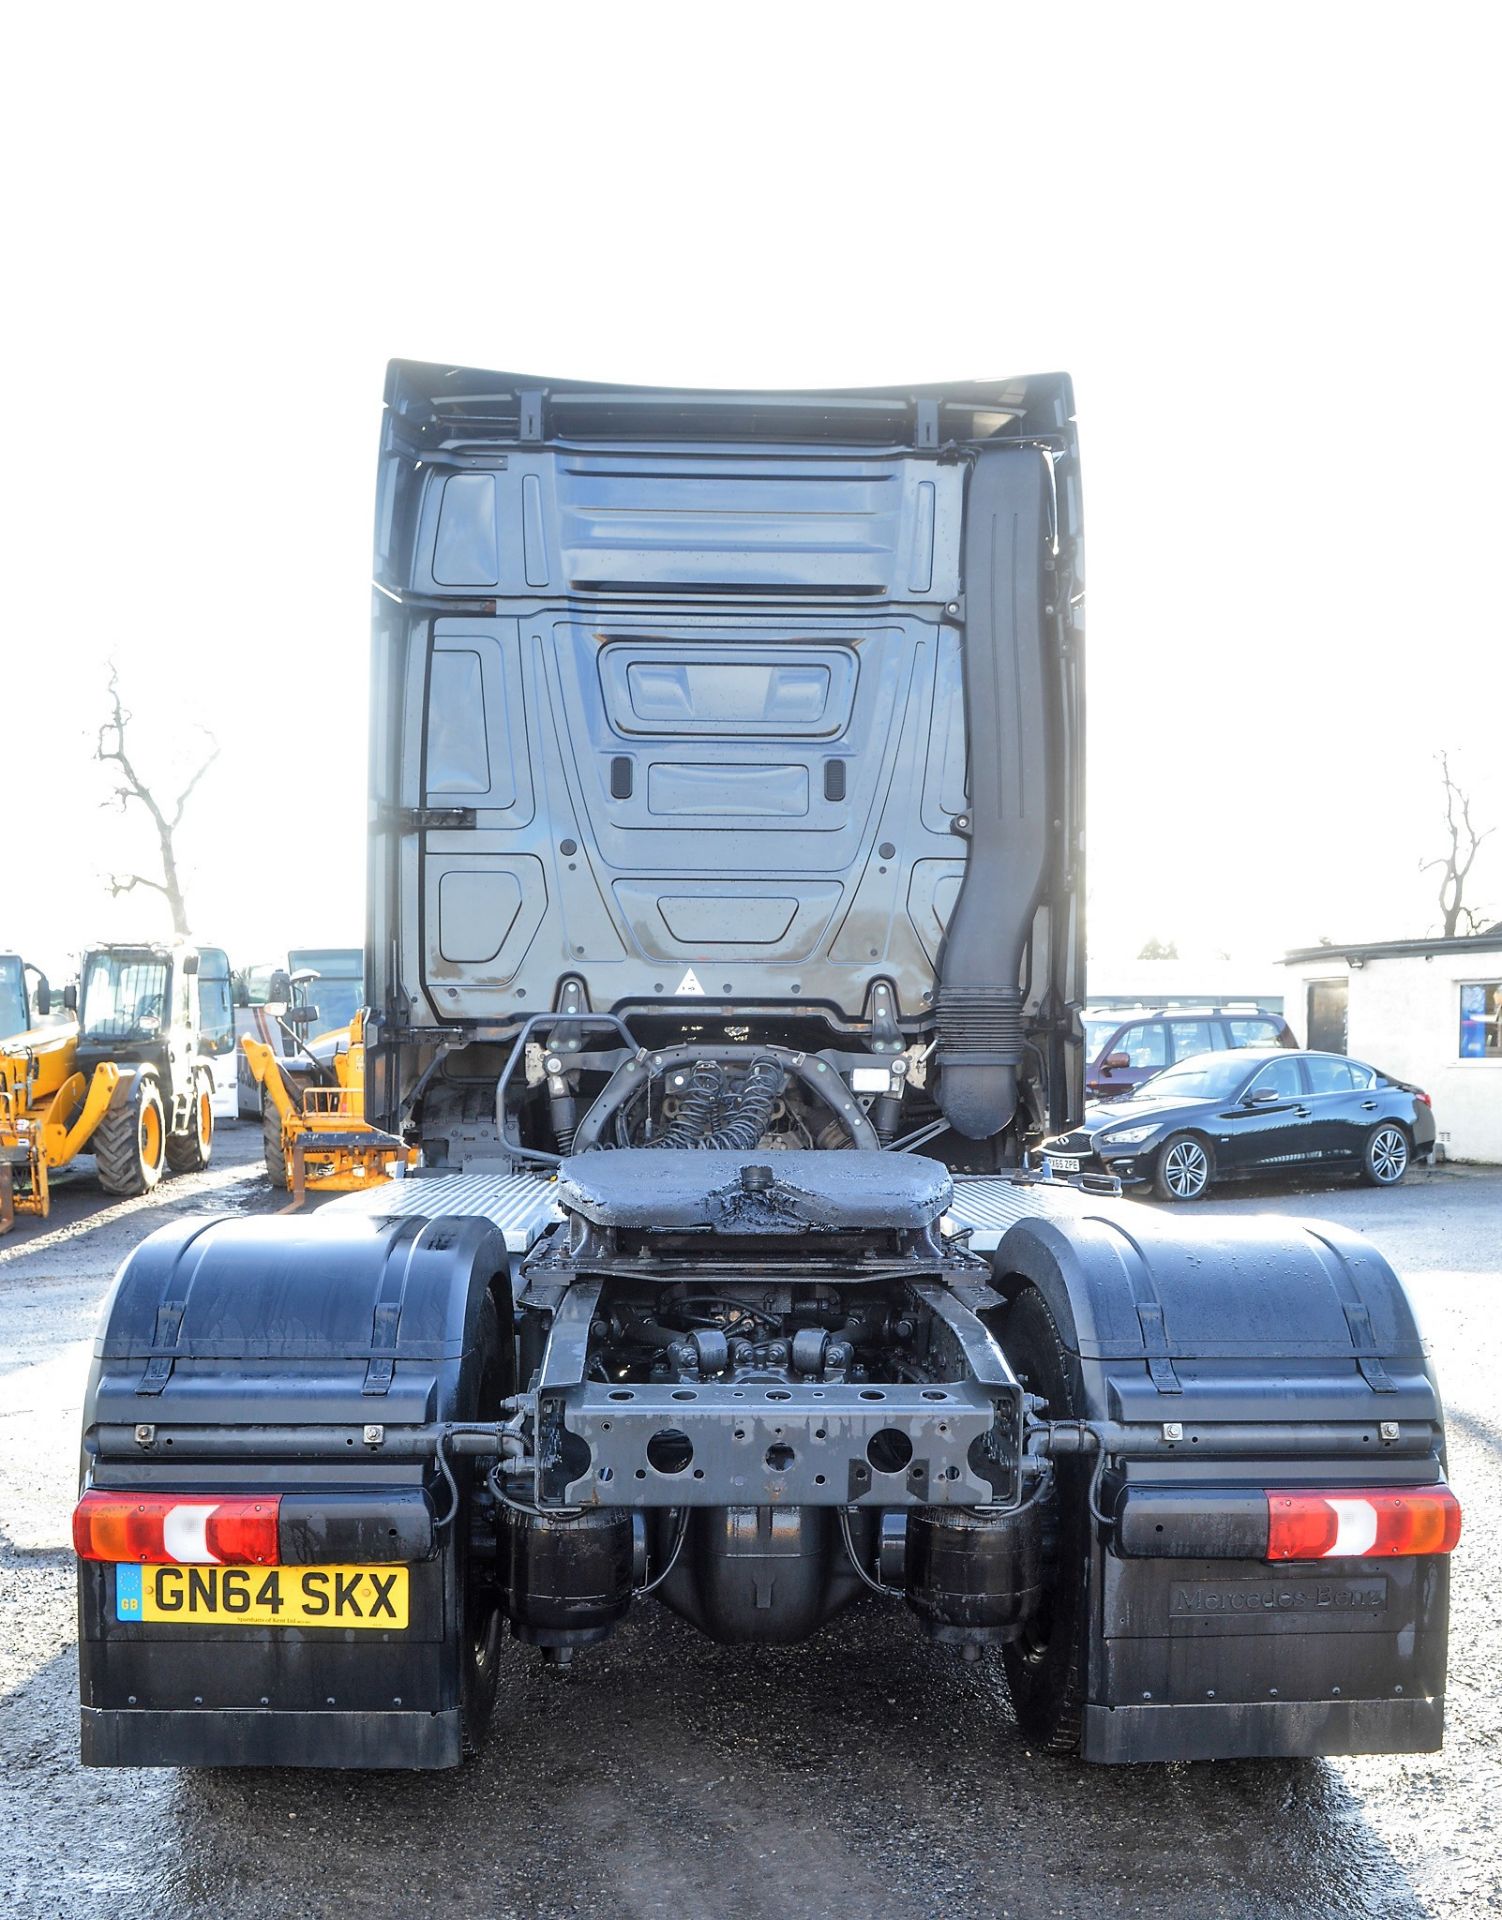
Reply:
x=1206, y=1077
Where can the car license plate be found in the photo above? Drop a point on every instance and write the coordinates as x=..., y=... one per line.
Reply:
x=1061, y=1163
x=263, y=1596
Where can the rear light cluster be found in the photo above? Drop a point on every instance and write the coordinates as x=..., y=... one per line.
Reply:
x=1362, y=1523
x=1420, y=1095
x=177, y=1530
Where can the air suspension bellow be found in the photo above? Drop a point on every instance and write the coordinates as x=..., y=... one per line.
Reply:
x=567, y=1576
x=974, y=1577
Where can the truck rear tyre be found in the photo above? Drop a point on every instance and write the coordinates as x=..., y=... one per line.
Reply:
x=271, y=1135
x=189, y=1151
x=130, y=1142
x=480, y=1603
x=1045, y=1665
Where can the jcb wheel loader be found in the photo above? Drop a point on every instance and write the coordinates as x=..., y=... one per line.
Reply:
x=131, y=1079
x=725, y=960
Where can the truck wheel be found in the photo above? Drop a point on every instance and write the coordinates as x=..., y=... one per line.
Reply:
x=1185, y=1168
x=129, y=1142
x=271, y=1135
x=1384, y=1158
x=480, y=1615
x=189, y=1151
x=1045, y=1666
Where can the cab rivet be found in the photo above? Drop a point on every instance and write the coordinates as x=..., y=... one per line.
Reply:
x=1173, y=1429
x=1388, y=1429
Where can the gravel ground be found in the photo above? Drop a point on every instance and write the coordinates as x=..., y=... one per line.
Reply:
x=863, y=1773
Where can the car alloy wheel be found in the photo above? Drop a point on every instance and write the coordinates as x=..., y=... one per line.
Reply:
x=1185, y=1170
x=1387, y=1156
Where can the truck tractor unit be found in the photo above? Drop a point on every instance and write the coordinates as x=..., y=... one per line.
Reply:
x=724, y=964
x=135, y=1078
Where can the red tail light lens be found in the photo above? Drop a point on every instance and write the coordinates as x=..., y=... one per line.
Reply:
x=1420, y=1095
x=1361, y=1522
x=177, y=1529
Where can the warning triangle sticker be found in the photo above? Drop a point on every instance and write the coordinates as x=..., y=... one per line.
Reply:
x=689, y=983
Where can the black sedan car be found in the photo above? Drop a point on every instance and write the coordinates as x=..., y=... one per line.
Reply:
x=1219, y=1116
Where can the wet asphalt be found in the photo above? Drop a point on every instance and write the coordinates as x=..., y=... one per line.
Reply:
x=864, y=1773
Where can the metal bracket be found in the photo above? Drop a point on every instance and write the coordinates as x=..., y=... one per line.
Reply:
x=886, y=1035
x=926, y=424
x=562, y=1374
x=571, y=1001
x=436, y=819
x=529, y=406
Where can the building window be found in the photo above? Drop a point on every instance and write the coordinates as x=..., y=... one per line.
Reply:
x=1481, y=1020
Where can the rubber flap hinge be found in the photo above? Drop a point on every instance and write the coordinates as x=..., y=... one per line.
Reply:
x=1373, y=1372
x=169, y=1320
x=382, y=1366
x=1155, y=1340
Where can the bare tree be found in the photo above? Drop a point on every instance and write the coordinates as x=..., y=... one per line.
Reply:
x=1156, y=949
x=1455, y=866
x=129, y=786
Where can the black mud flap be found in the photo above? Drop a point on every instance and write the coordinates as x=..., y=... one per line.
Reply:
x=158, y=1696
x=1236, y=1659
x=1220, y=1360
x=234, y=1331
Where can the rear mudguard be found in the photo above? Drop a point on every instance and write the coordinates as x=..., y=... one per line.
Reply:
x=244, y=1325
x=1221, y=1360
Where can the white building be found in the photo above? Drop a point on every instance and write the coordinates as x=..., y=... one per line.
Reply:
x=1427, y=1011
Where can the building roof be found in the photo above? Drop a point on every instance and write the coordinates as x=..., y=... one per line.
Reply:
x=1488, y=942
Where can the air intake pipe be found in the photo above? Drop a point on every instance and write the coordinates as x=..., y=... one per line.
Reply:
x=979, y=1005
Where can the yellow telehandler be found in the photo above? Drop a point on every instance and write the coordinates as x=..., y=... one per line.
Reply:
x=317, y=1137
x=128, y=1079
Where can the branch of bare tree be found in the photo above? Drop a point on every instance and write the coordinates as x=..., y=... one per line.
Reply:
x=110, y=748
x=1455, y=866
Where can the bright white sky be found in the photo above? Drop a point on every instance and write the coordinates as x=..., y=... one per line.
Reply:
x=1262, y=238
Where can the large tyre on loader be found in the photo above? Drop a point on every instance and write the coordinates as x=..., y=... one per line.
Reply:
x=189, y=1151
x=130, y=1141
x=271, y=1135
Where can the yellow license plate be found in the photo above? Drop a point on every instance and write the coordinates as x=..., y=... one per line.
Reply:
x=263, y=1596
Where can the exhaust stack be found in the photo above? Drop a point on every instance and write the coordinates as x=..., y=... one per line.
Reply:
x=1007, y=531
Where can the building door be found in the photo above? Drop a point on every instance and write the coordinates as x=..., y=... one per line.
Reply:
x=1327, y=1016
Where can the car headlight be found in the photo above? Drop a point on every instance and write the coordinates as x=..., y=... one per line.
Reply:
x=1128, y=1136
